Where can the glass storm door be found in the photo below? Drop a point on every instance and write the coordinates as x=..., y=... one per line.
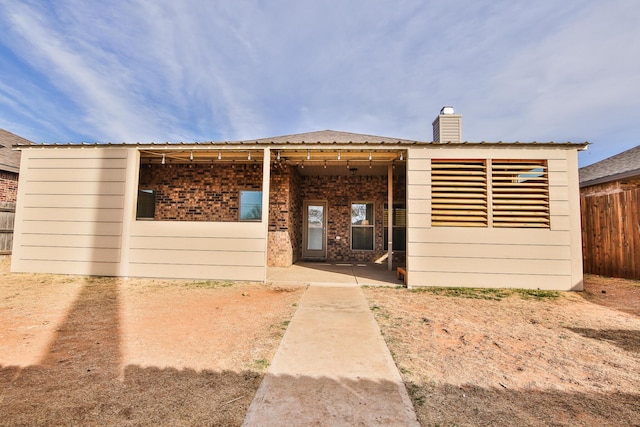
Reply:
x=314, y=238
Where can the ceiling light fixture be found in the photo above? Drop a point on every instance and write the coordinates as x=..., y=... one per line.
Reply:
x=163, y=159
x=338, y=154
x=308, y=154
x=191, y=156
x=401, y=157
x=369, y=155
x=325, y=164
x=278, y=156
x=219, y=155
x=249, y=156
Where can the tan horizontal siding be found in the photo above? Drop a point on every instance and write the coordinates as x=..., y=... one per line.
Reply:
x=419, y=192
x=200, y=272
x=491, y=280
x=489, y=256
x=199, y=243
x=202, y=250
x=77, y=254
x=174, y=256
x=71, y=210
x=77, y=153
x=68, y=240
x=251, y=230
x=83, y=187
x=72, y=175
x=536, y=267
x=419, y=220
x=90, y=228
x=83, y=268
x=419, y=164
x=96, y=201
x=78, y=163
x=513, y=236
x=73, y=214
x=484, y=251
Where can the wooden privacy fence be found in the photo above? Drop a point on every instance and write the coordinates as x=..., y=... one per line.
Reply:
x=611, y=233
x=7, y=218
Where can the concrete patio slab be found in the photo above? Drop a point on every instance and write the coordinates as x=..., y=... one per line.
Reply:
x=332, y=368
x=332, y=273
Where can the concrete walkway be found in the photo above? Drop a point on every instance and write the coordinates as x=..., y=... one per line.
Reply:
x=332, y=368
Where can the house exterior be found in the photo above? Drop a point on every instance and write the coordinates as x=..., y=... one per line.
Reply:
x=453, y=213
x=610, y=209
x=9, y=165
x=9, y=169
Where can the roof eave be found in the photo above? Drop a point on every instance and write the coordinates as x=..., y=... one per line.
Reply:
x=572, y=145
x=610, y=178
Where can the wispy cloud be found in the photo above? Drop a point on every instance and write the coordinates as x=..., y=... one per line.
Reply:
x=163, y=70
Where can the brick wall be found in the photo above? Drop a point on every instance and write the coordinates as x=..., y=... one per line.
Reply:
x=8, y=186
x=285, y=238
x=340, y=192
x=196, y=192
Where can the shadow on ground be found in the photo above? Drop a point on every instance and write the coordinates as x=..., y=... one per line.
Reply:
x=625, y=339
x=81, y=381
x=476, y=406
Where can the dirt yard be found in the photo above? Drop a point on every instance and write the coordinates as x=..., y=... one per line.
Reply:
x=509, y=358
x=104, y=351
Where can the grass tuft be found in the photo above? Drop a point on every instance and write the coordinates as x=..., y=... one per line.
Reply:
x=209, y=284
x=494, y=294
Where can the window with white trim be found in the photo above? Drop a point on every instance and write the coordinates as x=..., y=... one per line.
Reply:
x=399, y=227
x=146, y=206
x=250, y=205
x=362, y=226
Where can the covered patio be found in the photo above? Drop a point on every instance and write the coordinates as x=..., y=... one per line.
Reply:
x=343, y=273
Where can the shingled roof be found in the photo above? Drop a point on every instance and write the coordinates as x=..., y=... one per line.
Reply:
x=10, y=158
x=328, y=136
x=623, y=165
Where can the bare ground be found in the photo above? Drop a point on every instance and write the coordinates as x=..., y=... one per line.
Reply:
x=510, y=358
x=105, y=351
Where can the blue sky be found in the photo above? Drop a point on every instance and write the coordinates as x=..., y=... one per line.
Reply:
x=193, y=70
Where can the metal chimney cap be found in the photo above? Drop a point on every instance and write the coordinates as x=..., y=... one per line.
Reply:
x=447, y=110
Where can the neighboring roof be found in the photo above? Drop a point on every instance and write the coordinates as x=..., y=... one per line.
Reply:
x=623, y=165
x=10, y=158
x=325, y=137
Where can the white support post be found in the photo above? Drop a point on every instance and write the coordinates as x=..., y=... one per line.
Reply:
x=390, y=216
x=266, y=178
